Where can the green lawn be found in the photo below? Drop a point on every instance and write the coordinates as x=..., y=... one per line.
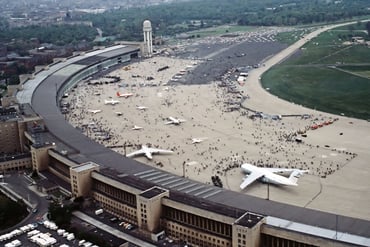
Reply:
x=321, y=88
x=220, y=30
x=291, y=37
x=326, y=75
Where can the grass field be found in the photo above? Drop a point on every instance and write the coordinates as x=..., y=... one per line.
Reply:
x=326, y=75
x=293, y=36
x=220, y=30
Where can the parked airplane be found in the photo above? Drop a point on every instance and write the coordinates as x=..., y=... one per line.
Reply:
x=141, y=107
x=94, y=111
x=125, y=95
x=111, y=102
x=137, y=127
x=268, y=175
x=175, y=121
x=148, y=152
x=198, y=140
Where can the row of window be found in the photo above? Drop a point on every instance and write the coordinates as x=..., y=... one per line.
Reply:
x=115, y=193
x=194, y=237
x=13, y=168
x=215, y=227
x=270, y=241
x=15, y=165
x=119, y=209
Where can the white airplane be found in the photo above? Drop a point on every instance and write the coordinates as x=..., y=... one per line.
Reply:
x=111, y=102
x=175, y=121
x=94, y=111
x=137, y=127
x=147, y=151
x=198, y=140
x=141, y=107
x=268, y=175
x=125, y=95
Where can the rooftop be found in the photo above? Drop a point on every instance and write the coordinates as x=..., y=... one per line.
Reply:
x=155, y=191
x=197, y=202
x=249, y=220
x=126, y=179
x=14, y=157
x=85, y=166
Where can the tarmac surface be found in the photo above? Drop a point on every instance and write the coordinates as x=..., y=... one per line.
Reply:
x=236, y=138
x=310, y=186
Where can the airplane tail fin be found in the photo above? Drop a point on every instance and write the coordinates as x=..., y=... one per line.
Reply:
x=118, y=94
x=295, y=175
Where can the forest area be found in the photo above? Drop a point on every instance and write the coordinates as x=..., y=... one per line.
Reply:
x=174, y=18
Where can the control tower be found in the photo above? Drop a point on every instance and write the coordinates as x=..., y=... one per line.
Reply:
x=148, y=41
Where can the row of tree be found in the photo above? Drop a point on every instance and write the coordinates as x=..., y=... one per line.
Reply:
x=172, y=18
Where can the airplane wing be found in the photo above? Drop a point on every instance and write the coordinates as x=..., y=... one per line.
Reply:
x=250, y=179
x=138, y=152
x=160, y=151
x=295, y=175
x=169, y=122
x=277, y=170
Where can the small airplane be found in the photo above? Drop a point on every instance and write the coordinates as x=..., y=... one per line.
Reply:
x=175, y=121
x=94, y=111
x=148, y=152
x=141, y=107
x=137, y=127
x=125, y=95
x=111, y=102
x=198, y=140
x=268, y=175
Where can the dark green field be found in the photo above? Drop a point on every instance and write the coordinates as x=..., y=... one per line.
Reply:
x=326, y=75
x=11, y=212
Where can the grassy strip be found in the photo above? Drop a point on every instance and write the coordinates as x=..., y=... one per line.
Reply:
x=326, y=74
x=321, y=88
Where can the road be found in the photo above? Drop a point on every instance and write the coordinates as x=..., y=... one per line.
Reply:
x=259, y=94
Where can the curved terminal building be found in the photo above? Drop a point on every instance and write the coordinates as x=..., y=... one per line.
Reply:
x=156, y=201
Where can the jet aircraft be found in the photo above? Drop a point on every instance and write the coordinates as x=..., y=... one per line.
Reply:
x=141, y=107
x=175, y=121
x=125, y=95
x=148, y=152
x=269, y=175
x=137, y=127
x=94, y=111
x=198, y=140
x=111, y=102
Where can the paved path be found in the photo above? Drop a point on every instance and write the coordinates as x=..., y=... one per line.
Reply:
x=259, y=95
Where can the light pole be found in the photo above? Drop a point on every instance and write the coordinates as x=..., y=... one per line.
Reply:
x=191, y=163
x=183, y=169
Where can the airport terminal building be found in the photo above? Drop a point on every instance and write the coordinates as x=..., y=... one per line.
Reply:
x=159, y=203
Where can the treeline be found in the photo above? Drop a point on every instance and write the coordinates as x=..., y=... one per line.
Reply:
x=173, y=18
x=11, y=212
x=179, y=17
x=55, y=34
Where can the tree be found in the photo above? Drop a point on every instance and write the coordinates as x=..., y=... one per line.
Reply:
x=60, y=214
